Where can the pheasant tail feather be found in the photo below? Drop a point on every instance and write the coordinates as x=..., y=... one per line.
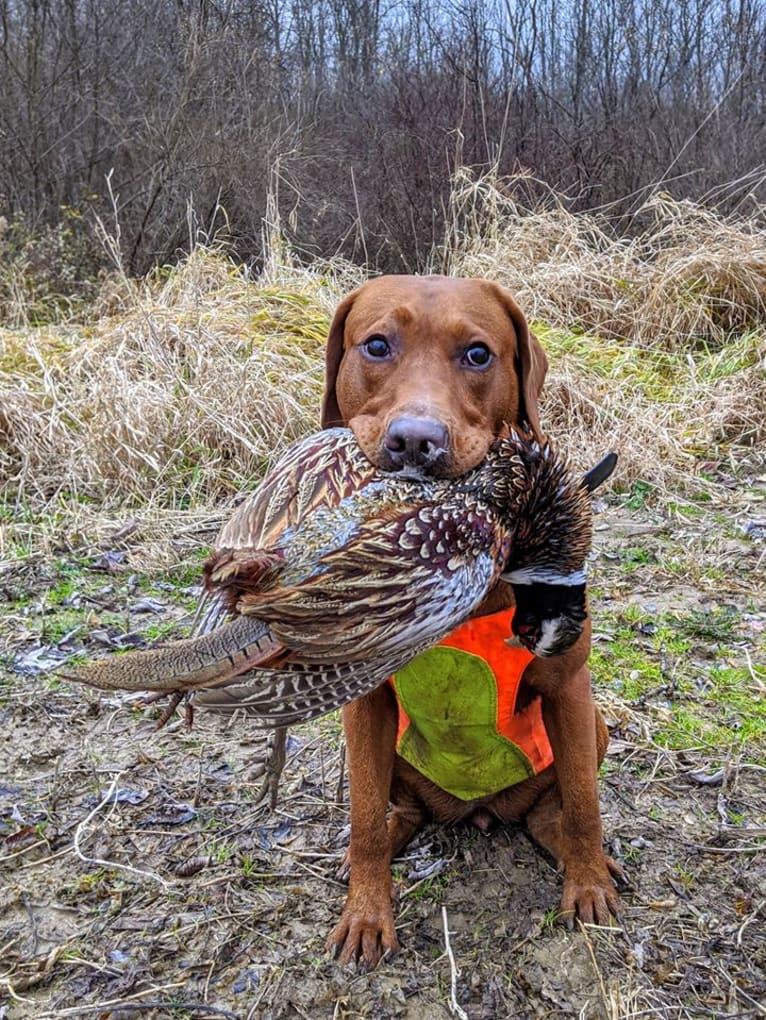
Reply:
x=286, y=697
x=209, y=660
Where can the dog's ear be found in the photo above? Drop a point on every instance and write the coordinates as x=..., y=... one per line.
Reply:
x=331, y=415
x=532, y=364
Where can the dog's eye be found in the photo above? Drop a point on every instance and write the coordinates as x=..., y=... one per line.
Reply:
x=376, y=347
x=477, y=356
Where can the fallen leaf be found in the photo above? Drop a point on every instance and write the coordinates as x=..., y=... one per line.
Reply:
x=148, y=605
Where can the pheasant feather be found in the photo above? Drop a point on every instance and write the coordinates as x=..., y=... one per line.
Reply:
x=333, y=575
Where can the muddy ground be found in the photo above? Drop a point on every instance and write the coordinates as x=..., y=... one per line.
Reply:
x=141, y=876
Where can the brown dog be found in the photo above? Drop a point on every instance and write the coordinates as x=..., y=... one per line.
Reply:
x=425, y=370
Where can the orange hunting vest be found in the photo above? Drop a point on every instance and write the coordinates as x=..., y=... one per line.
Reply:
x=457, y=718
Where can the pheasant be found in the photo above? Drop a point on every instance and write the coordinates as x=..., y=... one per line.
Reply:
x=333, y=575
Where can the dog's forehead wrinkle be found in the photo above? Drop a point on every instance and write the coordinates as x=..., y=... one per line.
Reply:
x=439, y=316
x=403, y=315
x=371, y=314
x=450, y=320
x=419, y=322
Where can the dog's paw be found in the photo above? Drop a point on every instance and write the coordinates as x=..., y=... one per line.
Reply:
x=590, y=895
x=364, y=935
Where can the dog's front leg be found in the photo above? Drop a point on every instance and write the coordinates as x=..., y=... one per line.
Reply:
x=567, y=819
x=365, y=931
x=570, y=720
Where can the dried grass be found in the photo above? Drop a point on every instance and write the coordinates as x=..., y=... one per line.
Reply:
x=690, y=276
x=184, y=393
x=181, y=388
x=669, y=414
x=657, y=342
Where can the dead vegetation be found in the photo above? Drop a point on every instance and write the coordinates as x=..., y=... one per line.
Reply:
x=685, y=277
x=181, y=387
x=180, y=392
x=360, y=110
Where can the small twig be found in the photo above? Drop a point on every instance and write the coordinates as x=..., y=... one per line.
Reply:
x=166, y=1005
x=594, y=961
x=737, y=831
x=339, y=791
x=266, y=987
x=299, y=1011
x=98, y=860
x=24, y=850
x=753, y=915
x=742, y=848
x=33, y=923
x=10, y=991
x=43, y=860
x=197, y=798
x=734, y=986
x=126, y=1002
x=7, y=947
x=756, y=679
x=455, y=1008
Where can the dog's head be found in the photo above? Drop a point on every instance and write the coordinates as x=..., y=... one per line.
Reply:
x=425, y=371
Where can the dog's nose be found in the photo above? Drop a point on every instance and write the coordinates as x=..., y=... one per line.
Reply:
x=412, y=442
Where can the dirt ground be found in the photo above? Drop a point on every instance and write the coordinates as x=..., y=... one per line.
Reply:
x=141, y=876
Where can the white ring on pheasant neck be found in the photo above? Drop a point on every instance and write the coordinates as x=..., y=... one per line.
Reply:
x=536, y=575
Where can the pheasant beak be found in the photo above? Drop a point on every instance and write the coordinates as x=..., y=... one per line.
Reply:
x=528, y=634
x=549, y=617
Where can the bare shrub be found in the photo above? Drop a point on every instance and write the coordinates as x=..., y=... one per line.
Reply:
x=369, y=110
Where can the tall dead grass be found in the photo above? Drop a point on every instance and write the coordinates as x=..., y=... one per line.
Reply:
x=690, y=276
x=670, y=416
x=182, y=387
x=657, y=340
x=183, y=393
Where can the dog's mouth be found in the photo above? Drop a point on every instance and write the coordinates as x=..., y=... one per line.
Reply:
x=411, y=472
x=419, y=448
x=428, y=464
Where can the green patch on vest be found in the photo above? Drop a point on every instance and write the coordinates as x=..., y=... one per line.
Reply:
x=451, y=698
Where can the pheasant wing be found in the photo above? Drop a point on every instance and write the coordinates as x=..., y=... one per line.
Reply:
x=395, y=582
x=321, y=469
x=317, y=471
x=314, y=475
